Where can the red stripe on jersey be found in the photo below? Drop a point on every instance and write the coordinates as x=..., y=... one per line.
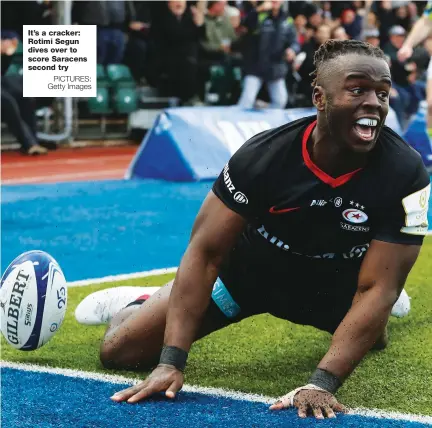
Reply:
x=323, y=176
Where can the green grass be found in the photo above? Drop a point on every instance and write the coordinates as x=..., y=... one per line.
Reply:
x=270, y=356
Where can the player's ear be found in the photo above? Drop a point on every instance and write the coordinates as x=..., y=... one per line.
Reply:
x=318, y=97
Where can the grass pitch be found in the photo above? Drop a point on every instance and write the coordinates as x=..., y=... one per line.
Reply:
x=268, y=356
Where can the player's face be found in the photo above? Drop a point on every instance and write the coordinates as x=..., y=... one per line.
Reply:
x=357, y=101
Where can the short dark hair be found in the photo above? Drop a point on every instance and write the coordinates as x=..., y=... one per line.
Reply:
x=335, y=48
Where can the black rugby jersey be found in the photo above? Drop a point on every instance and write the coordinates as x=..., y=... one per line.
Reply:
x=292, y=206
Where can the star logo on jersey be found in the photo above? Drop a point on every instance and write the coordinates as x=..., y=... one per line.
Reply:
x=357, y=205
x=354, y=216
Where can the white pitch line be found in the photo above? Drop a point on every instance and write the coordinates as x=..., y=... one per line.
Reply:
x=122, y=277
x=217, y=392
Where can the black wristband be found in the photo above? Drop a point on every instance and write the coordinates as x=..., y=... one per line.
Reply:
x=325, y=380
x=174, y=356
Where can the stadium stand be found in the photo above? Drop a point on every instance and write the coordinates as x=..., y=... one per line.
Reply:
x=129, y=97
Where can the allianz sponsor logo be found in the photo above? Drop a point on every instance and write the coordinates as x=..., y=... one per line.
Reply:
x=239, y=197
x=227, y=179
x=352, y=228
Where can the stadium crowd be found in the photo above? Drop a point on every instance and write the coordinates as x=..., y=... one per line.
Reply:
x=174, y=46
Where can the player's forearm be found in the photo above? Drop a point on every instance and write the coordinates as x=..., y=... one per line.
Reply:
x=421, y=30
x=358, y=331
x=189, y=298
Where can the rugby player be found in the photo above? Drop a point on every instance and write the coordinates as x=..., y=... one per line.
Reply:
x=328, y=213
x=421, y=30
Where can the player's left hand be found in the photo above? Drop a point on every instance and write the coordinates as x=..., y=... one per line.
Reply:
x=319, y=402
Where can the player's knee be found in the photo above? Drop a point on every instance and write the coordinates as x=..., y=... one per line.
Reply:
x=114, y=358
x=112, y=350
x=116, y=355
x=109, y=355
x=382, y=341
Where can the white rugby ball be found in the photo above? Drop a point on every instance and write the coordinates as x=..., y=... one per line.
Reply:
x=33, y=300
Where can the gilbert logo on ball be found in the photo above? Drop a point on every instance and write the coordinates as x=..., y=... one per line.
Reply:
x=33, y=300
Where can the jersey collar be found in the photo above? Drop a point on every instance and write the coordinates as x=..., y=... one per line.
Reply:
x=323, y=176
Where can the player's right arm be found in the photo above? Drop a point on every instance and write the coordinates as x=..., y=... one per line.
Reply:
x=421, y=30
x=214, y=233
x=236, y=197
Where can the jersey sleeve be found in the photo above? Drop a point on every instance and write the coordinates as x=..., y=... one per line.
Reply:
x=406, y=221
x=240, y=185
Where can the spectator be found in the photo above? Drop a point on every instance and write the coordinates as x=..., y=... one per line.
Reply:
x=403, y=17
x=244, y=6
x=413, y=12
x=398, y=69
x=406, y=92
x=111, y=18
x=339, y=33
x=359, y=7
x=386, y=18
x=219, y=32
x=300, y=22
x=372, y=20
x=270, y=44
x=327, y=14
x=310, y=33
x=296, y=8
x=136, y=53
x=352, y=23
x=371, y=36
x=337, y=7
x=234, y=16
x=216, y=48
x=305, y=68
x=316, y=17
x=17, y=112
x=15, y=14
x=176, y=32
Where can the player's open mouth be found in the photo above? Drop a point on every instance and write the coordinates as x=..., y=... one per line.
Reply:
x=366, y=128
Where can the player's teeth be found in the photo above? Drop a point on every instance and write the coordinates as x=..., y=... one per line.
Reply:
x=367, y=122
